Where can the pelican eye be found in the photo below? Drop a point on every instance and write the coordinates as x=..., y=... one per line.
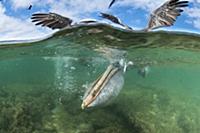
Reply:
x=116, y=64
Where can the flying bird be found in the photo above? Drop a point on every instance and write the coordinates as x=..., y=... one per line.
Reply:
x=165, y=15
x=112, y=2
x=114, y=19
x=56, y=21
x=30, y=7
x=51, y=20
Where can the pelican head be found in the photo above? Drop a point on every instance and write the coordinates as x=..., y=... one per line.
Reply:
x=125, y=65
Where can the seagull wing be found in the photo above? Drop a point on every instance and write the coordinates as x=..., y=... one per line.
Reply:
x=166, y=14
x=51, y=20
x=112, y=2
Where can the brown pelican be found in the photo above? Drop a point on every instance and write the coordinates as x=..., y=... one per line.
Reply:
x=111, y=3
x=56, y=21
x=30, y=7
x=51, y=20
x=107, y=86
x=114, y=19
x=165, y=15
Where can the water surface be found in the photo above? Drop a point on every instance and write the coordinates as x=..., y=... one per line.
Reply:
x=42, y=82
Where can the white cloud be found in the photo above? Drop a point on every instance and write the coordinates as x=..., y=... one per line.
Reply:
x=20, y=3
x=12, y=28
x=16, y=29
x=148, y=5
x=194, y=14
x=81, y=8
x=2, y=9
x=72, y=8
x=16, y=4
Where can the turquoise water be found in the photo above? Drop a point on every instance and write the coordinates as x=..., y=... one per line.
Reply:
x=42, y=82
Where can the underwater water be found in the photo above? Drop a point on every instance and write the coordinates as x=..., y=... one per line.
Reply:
x=42, y=83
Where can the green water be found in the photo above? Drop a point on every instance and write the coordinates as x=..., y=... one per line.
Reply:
x=42, y=83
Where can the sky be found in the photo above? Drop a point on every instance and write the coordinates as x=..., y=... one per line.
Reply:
x=15, y=22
